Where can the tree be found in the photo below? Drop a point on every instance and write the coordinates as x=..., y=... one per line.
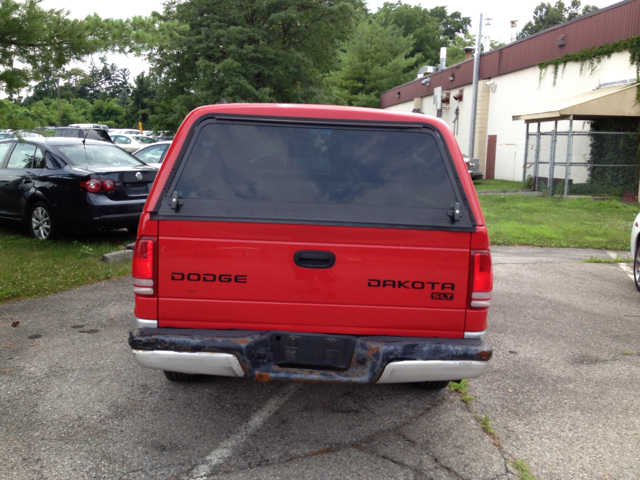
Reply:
x=431, y=29
x=450, y=24
x=415, y=22
x=141, y=103
x=546, y=16
x=44, y=41
x=247, y=50
x=373, y=60
x=106, y=81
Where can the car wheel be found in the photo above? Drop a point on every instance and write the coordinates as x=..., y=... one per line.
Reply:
x=133, y=230
x=433, y=385
x=180, y=377
x=42, y=225
x=636, y=266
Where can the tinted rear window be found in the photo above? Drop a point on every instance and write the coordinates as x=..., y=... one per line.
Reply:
x=98, y=156
x=332, y=174
x=95, y=134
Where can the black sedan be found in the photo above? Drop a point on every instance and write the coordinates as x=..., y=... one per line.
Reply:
x=67, y=184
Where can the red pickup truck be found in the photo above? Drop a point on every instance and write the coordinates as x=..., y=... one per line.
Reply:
x=312, y=243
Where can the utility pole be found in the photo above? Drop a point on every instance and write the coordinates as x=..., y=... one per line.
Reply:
x=59, y=114
x=474, y=98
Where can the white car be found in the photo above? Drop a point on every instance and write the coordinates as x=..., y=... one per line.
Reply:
x=124, y=131
x=90, y=125
x=635, y=250
x=153, y=154
x=131, y=143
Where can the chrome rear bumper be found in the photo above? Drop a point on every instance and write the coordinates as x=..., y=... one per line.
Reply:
x=412, y=371
x=221, y=364
x=309, y=357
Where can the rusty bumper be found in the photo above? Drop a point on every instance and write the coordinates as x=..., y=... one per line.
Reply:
x=318, y=358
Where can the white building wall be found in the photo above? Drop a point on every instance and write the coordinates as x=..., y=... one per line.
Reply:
x=402, y=107
x=523, y=92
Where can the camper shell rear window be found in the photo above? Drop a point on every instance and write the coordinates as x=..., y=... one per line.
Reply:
x=288, y=172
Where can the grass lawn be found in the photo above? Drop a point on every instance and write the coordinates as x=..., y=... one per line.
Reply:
x=555, y=222
x=32, y=268
x=485, y=185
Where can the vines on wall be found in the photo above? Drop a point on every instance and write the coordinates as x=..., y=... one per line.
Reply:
x=591, y=58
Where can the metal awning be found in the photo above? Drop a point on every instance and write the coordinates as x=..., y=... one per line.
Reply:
x=620, y=101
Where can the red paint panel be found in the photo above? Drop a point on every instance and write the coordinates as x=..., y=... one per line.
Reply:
x=146, y=307
x=352, y=320
x=476, y=321
x=281, y=295
x=362, y=275
x=313, y=233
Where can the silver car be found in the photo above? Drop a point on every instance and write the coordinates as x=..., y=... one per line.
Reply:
x=153, y=154
x=131, y=143
x=473, y=167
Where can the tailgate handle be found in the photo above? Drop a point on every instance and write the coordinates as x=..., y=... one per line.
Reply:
x=314, y=259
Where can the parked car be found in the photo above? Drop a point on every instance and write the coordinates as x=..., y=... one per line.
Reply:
x=19, y=134
x=90, y=125
x=635, y=250
x=64, y=184
x=89, y=133
x=124, y=131
x=473, y=167
x=160, y=136
x=312, y=244
x=153, y=154
x=132, y=143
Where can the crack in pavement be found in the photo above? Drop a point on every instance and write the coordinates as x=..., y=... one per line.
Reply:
x=324, y=451
x=507, y=457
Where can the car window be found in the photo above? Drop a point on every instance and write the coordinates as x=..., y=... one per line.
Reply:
x=4, y=148
x=22, y=156
x=152, y=154
x=94, y=134
x=145, y=140
x=73, y=132
x=98, y=156
x=38, y=159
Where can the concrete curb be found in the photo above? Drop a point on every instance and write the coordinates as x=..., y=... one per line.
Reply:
x=118, y=257
x=528, y=193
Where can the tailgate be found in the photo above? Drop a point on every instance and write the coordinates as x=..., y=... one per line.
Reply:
x=216, y=275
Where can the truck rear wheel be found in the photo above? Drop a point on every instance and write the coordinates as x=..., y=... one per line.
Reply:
x=180, y=377
x=433, y=385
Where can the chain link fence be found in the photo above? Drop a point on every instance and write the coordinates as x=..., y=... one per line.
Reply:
x=583, y=163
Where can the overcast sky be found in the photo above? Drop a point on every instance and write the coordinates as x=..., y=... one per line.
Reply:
x=500, y=13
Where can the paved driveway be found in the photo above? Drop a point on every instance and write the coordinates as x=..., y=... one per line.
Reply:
x=561, y=393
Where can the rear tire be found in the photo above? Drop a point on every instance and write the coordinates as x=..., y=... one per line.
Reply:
x=433, y=385
x=180, y=377
x=133, y=230
x=42, y=225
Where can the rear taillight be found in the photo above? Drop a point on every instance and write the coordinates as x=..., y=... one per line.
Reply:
x=481, y=280
x=95, y=185
x=144, y=268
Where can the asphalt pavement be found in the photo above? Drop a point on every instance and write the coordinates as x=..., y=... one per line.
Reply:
x=561, y=395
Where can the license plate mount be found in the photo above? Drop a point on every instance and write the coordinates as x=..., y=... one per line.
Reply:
x=316, y=351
